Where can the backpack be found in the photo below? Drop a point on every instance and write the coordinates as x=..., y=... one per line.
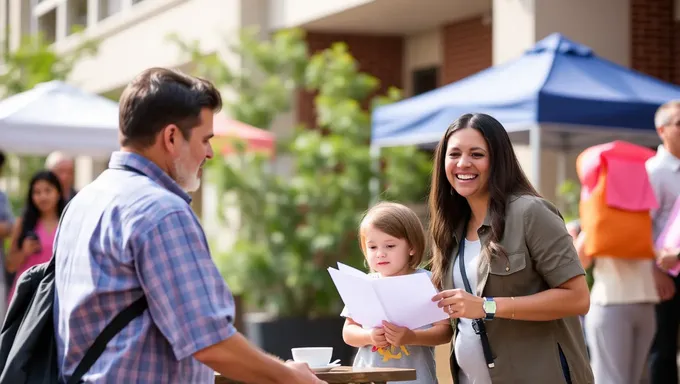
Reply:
x=28, y=348
x=616, y=197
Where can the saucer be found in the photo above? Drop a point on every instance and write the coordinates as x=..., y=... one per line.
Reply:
x=327, y=368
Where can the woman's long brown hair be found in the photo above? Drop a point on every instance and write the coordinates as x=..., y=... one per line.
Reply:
x=448, y=209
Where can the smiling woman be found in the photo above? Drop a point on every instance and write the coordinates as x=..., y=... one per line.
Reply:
x=510, y=275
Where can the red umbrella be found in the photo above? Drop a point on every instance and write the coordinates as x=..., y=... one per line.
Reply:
x=228, y=130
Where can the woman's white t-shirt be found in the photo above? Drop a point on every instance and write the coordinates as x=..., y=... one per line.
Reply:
x=468, y=347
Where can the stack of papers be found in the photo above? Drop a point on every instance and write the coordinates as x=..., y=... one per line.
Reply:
x=405, y=301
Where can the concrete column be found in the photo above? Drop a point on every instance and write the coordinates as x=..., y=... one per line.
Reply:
x=62, y=21
x=92, y=13
x=125, y=5
x=15, y=23
x=4, y=25
x=603, y=25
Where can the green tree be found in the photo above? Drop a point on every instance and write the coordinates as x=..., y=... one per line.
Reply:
x=36, y=61
x=33, y=62
x=294, y=225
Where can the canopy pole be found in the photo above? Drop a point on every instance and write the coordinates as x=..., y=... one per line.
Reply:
x=535, y=144
x=374, y=185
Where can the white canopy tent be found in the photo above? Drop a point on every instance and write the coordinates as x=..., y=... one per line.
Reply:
x=57, y=116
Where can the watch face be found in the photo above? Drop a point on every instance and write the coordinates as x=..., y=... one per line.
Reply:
x=489, y=306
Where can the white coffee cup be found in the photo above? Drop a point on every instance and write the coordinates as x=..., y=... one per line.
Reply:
x=315, y=357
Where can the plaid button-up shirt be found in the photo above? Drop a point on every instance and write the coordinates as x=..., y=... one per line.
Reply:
x=129, y=233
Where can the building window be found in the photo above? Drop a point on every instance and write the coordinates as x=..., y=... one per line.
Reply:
x=77, y=15
x=425, y=80
x=47, y=26
x=108, y=8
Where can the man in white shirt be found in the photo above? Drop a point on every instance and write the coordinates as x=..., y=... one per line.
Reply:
x=664, y=174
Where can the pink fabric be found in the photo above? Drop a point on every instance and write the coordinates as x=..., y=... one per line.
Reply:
x=670, y=236
x=627, y=184
x=45, y=254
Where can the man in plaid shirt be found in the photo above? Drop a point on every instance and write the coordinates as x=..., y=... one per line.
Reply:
x=131, y=232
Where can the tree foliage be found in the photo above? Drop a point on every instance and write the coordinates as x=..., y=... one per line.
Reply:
x=36, y=61
x=294, y=224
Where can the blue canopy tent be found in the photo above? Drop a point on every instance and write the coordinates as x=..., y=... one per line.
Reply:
x=558, y=94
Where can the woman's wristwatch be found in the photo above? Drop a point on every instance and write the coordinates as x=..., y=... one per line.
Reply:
x=489, y=307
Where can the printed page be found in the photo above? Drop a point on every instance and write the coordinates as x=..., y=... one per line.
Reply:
x=407, y=300
x=358, y=295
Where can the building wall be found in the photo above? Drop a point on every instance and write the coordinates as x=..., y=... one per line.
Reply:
x=421, y=50
x=466, y=48
x=291, y=13
x=653, y=41
x=142, y=44
x=380, y=56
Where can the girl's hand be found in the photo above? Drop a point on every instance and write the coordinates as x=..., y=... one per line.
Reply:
x=30, y=246
x=458, y=303
x=378, y=338
x=398, y=336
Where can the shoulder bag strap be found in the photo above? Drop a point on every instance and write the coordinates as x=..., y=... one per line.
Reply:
x=119, y=322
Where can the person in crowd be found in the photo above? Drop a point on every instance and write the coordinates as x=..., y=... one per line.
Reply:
x=664, y=174
x=34, y=231
x=620, y=325
x=64, y=167
x=393, y=241
x=6, y=224
x=511, y=278
x=574, y=228
x=132, y=232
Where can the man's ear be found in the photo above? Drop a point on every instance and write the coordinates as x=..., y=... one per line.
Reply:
x=168, y=136
x=660, y=130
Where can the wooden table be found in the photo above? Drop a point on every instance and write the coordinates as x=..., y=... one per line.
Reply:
x=349, y=375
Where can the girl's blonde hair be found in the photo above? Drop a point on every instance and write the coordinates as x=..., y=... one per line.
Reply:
x=398, y=221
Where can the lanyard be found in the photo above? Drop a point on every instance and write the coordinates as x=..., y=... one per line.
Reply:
x=477, y=324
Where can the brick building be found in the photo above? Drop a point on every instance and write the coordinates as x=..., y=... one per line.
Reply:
x=413, y=44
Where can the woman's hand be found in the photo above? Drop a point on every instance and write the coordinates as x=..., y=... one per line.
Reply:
x=665, y=286
x=398, y=336
x=668, y=258
x=458, y=303
x=30, y=246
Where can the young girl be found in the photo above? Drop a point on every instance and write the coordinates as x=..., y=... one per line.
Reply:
x=33, y=233
x=393, y=241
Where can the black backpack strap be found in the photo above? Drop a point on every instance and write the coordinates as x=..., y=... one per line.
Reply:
x=119, y=322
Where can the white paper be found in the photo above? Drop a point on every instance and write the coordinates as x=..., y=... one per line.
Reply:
x=359, y=297
x=405, y=301
x=352, y=271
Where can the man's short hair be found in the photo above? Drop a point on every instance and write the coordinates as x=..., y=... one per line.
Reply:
x=663, y=114
x=55, y=158
x=2, y=159
x=159, y=97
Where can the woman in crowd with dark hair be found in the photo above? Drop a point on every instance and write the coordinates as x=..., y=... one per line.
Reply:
x=33, y=233
x=511, y=278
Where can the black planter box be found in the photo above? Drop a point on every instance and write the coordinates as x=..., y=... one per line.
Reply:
x=278, y=335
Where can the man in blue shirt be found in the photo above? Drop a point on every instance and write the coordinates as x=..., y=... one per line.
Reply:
x=131, y=232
